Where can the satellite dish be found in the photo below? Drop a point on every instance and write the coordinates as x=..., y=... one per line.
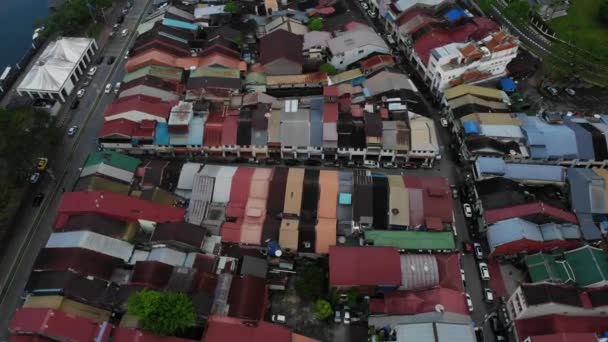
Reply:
x=267, y=115
x=341, y=239
x=395, y=211
x=278, y=253
x=439, y=308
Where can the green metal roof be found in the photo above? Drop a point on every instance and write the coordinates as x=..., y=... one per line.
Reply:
x=115, y=159
x=255, y=78
x=215, y=72
x=411, y=239
x=590, y=265
x=163, y=72
x=545, y=268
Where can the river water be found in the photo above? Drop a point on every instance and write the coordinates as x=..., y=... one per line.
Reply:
x=17, y=18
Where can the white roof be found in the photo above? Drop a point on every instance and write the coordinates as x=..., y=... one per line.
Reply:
x=355, y=40
x=168, y=256
x=181, y=114
x=55, y=65
x=403, y=5
x=423, y=135
x=223, y=184
x=93, y=242
x=107, y=170
x=200, y=12
x=186, y=176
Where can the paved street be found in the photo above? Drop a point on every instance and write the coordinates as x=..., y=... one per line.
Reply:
x=35, y=224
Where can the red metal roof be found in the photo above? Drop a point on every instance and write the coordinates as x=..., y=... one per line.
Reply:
x=229, y=129
x=213, y=130
x=151, y=274
x=330, y=91
x=364, y=266
x=376, y=62
x=531, y=211
x=219, y=48
x=555, y=324
x=142, y=103
x=410, y=13
x=436, y=199
x=134, y=335
x=415, y=302
x=476, y=28
x=247, y=297
x=239, y=193
x=58, y=325
x=223, y=329
x=116, y=206
x=281, y=44
x=128, y=129
x=151, y=57
x=566, y=337
x=79, y=260
x=449, y=271
x=330, y=112
x=28, y=338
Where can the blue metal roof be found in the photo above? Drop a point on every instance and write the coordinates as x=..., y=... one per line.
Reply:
x=470, y=127
x=161, y=137
x=455, y=14
x=589, y=228
x=345, y=199
x=511, y=230
x=548, y=141
x=316, y=133
x=316, y=103
x=486, y=166
x=584, y=140
x=508, y=85
x=179, y=24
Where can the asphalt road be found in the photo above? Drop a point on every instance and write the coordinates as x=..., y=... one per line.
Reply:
x=34, y=226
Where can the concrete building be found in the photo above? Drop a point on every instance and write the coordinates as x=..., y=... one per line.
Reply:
x=354, y=46
x=58, y=69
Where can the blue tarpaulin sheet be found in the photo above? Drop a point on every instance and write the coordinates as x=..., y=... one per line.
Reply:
x=508, y=85
x=455, y=14
x=470, y=127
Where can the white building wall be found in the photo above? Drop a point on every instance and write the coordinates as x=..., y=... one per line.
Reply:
x=342, y=61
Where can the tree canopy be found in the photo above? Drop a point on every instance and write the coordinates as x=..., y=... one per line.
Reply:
x=315, y=24
x=603, y=12
x=163, y=313
x=322, y=310
x=231, y=7
x=73, y=15
x=517, y=11
x=328, y=68
x=309, y=284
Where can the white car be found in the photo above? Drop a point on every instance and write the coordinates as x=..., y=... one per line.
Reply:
x=468, y=211
x=370, y=164
x=444, y=122
x=124, y=32
x=346, y=316
x=488, y=295
x=337, y=317
x=72, y=130
x=371, y=13
x=80, y=93
x=116, y=87
x=108, y=88
x=92, y=71
x=389, y=165
x=34, y=178
x=469, y=302
x=570, y=91
x=484, y=271
x=278, y=319
x=464, y=279
x=364, y=6
x=478, y=250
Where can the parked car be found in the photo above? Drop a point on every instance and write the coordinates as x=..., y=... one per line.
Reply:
x=278, y=319
x=484, y=271
x=116, y=87
x=93, y=70
x=124, y=32
x=389, y=165
x=371, y=13
x=454, y=193
x=86, y=82
x=75, y=104
x=108, y=88
x=72, y=130
x=346, y=315
x=444, y=122
x=38, y=199
x=111, y=60
x=370, y=164
x=337, y=317
x=464, y=278
x=468, y=211
x=34, y=178
x=488, y=295
x=467, y=247
x=552, y=90
x=469, y=302
x=410, y=165
x=478, y=250
x=80, y=93
x=364, y=5
x=42, y=164
x=570, y=91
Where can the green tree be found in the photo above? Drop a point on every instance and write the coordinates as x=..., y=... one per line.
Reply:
x=322, y=310
x=315, y=24
x=163, y=313
x=485, y=5
x=603, y=12
x=328, y=68
x=309, y=284
x=352, y=297
x=517, y=11
x=231, y=7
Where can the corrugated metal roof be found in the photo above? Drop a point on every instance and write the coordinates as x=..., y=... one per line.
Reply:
x=223, y=184
x=399, y=202
x=168, y=256
x=512, y=230
x=412, y=240
x=91, y=241
x=465, y=89
x=186, y=176
x=157, y=71
x=548, y=141
x=494, y=167
x=418, y=271
x=288, y=234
